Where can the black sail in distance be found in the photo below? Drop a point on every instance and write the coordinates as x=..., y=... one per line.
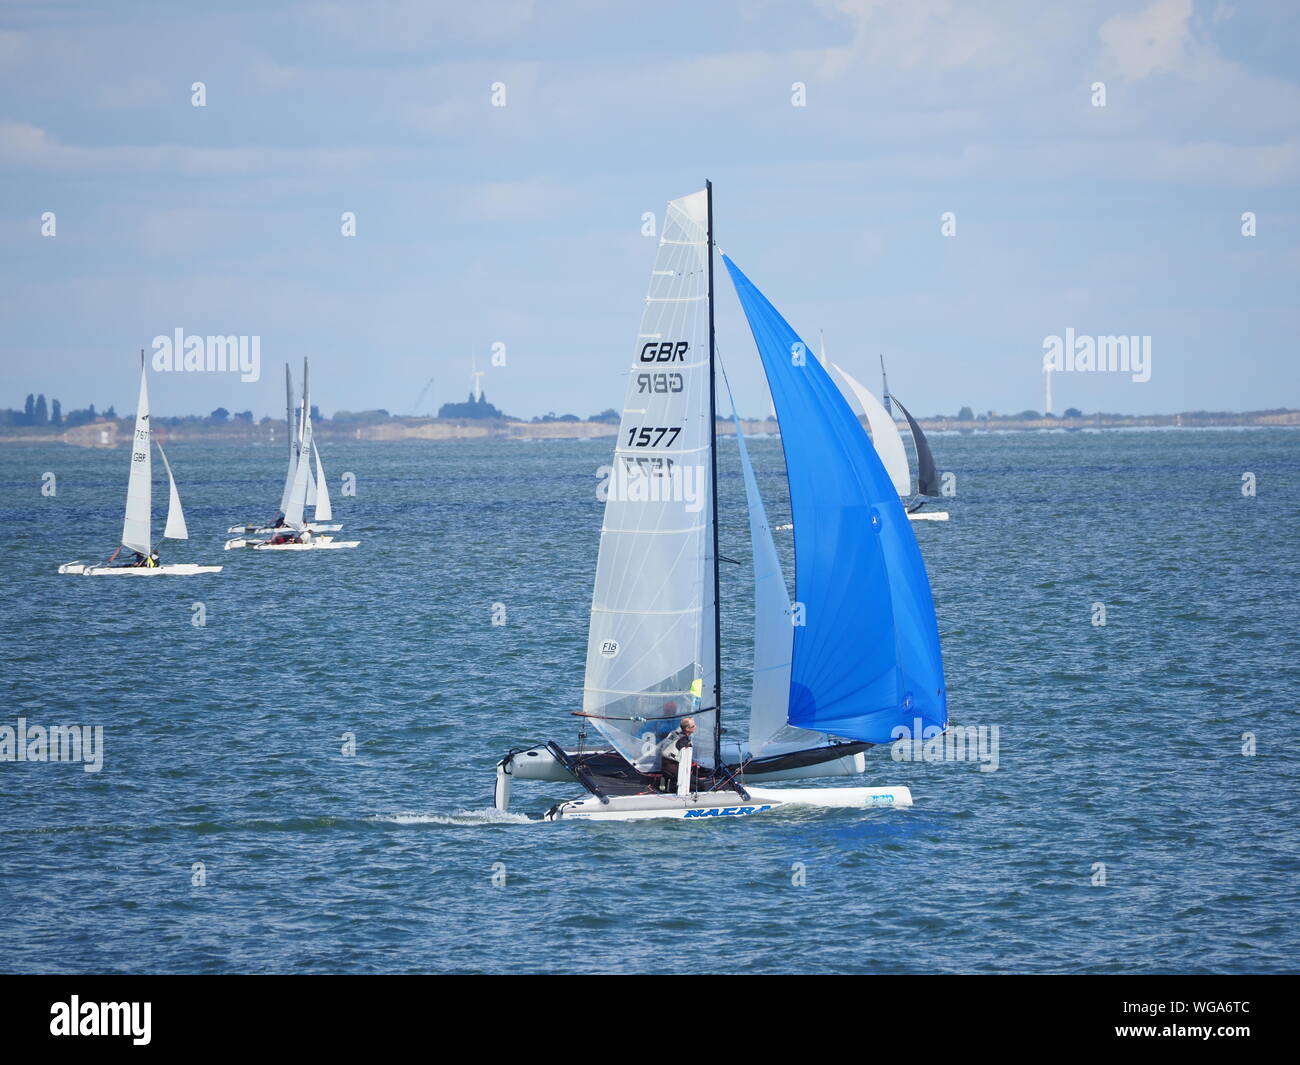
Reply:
x=927, y=479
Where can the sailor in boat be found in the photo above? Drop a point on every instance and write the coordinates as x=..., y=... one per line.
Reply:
x=291, y=537
x=670, y=751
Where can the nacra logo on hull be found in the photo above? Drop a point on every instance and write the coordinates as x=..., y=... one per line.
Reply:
x=728, y=811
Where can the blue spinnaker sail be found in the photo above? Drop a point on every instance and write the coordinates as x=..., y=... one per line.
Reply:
x=866, y=657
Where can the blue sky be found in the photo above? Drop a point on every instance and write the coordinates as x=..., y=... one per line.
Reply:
x=522, y=224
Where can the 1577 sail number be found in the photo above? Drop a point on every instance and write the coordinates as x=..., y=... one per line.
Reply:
x=652, y=435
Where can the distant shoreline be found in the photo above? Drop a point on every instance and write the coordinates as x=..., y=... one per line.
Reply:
x=110, y=433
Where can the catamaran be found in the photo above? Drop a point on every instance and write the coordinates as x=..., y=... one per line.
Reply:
x=137, y=526
x=836, y=671
x=303, y=487
x=889, y=443
x=318, y=494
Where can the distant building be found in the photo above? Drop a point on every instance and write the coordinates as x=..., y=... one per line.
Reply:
x=473, y=407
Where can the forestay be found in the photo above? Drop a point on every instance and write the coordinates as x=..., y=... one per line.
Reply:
x=866, y=653
x=649, y=642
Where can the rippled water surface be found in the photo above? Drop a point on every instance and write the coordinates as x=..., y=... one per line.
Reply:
x=1119, y=744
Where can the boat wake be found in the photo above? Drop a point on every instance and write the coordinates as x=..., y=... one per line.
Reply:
x=486, y=816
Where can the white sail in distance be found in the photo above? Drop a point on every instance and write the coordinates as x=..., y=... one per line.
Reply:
x=324, y=511
x=137, y=527
x=654, y=575
x=293, y=440
x=175, y=528
x=303, y=410
x=884, y=430
x=301, y=495
x=293, y=513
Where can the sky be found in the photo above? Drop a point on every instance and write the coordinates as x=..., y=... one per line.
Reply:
x=521, y=225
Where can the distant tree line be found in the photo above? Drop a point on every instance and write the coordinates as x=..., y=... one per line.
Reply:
x=359, y=417
x=471, y=408
x=36, y=412
x=220, y=416
x=968, y=415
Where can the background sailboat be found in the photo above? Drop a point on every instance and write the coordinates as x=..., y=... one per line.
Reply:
x=295, y=534
x=137, y=522
x=836, y=671
x=317, y=498
x=888, y=443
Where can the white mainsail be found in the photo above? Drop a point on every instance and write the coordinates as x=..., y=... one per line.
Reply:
x=175, y=529
x=137, y=527
x=293, y=440
x=884, y=431
x=303, y=410
x=305, y=445
x=293, y=512
x=649, y=642
x=324, y=511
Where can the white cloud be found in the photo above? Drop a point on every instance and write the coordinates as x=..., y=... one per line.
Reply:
x=1157, y=38
x=933, y=35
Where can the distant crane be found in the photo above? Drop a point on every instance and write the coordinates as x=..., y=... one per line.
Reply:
x=415, y=409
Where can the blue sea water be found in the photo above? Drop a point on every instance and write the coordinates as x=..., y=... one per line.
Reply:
x=1120, y=745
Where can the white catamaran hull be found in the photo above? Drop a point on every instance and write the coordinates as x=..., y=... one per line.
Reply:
x=323, y=543
x=541, y=763
x=271, y=530
x=725, y=804
x=178, y=569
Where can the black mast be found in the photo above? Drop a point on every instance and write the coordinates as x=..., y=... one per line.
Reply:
x=713, y=452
